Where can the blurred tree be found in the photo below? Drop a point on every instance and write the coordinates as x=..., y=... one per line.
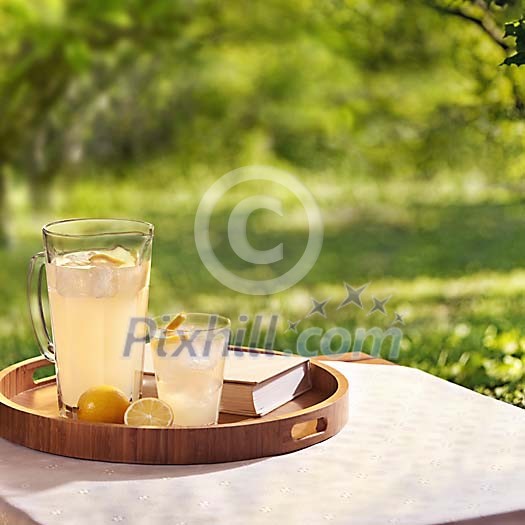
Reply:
x=327, y=85
x=57, y=57
x=46, y=49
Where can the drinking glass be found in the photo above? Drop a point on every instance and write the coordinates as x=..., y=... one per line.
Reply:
x=189, y=366
x=98, y=284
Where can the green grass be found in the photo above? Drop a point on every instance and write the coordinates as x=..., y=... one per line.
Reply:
x=449, y=251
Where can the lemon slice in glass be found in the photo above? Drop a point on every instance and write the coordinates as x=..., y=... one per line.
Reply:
x=176, y=321
x=117, y=257
x=105, y=258
x=149, y=412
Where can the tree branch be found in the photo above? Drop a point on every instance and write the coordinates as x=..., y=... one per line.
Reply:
x=485, y=23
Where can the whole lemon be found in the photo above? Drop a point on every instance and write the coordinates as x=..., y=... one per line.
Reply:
x=102, y=404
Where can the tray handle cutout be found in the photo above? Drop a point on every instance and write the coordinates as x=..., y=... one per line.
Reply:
x=43, y=372
x=308, y=429
x=32, y=373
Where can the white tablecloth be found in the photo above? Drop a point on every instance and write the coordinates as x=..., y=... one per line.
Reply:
x=416, y=450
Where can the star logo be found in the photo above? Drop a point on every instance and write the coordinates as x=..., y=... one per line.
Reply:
x=379, y=305
x=398, y=318
x=353, y=295
x=292, y=326
x=318, y=307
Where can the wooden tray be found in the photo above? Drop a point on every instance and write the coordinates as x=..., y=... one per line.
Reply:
x=29, y=417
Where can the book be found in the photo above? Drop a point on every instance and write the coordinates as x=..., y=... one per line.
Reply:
x=256, y=383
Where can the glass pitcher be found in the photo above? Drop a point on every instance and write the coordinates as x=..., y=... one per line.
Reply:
x=98, y=285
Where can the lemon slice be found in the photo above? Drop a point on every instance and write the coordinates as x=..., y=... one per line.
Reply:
x=149, y=412
x=176, y=321
x=105, y=258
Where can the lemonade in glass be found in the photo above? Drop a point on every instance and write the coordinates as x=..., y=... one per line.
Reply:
x=189, y=366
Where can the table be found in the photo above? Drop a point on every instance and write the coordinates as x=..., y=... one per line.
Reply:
x=416, y=450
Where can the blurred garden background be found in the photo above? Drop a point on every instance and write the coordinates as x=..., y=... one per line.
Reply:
x=397, y=115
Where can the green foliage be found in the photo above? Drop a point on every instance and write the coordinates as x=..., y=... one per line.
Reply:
x=516, y=30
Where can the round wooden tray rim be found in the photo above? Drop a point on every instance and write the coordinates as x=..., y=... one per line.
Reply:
x=32, y=421
x=341, y=380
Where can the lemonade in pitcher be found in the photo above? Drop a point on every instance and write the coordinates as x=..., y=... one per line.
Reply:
x=93, y=296
x=98, y=297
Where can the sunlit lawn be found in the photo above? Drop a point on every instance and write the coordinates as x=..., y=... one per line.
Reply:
x=449, y=252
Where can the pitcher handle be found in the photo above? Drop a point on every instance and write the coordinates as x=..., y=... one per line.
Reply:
x=35, y=279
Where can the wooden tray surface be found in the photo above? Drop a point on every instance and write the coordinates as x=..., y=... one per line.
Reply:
x=29, y=417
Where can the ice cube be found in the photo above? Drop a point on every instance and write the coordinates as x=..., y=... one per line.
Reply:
x=72, y=281
x=132, y=280
x=103, y=281
x=83, y=274
x=73, y=259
